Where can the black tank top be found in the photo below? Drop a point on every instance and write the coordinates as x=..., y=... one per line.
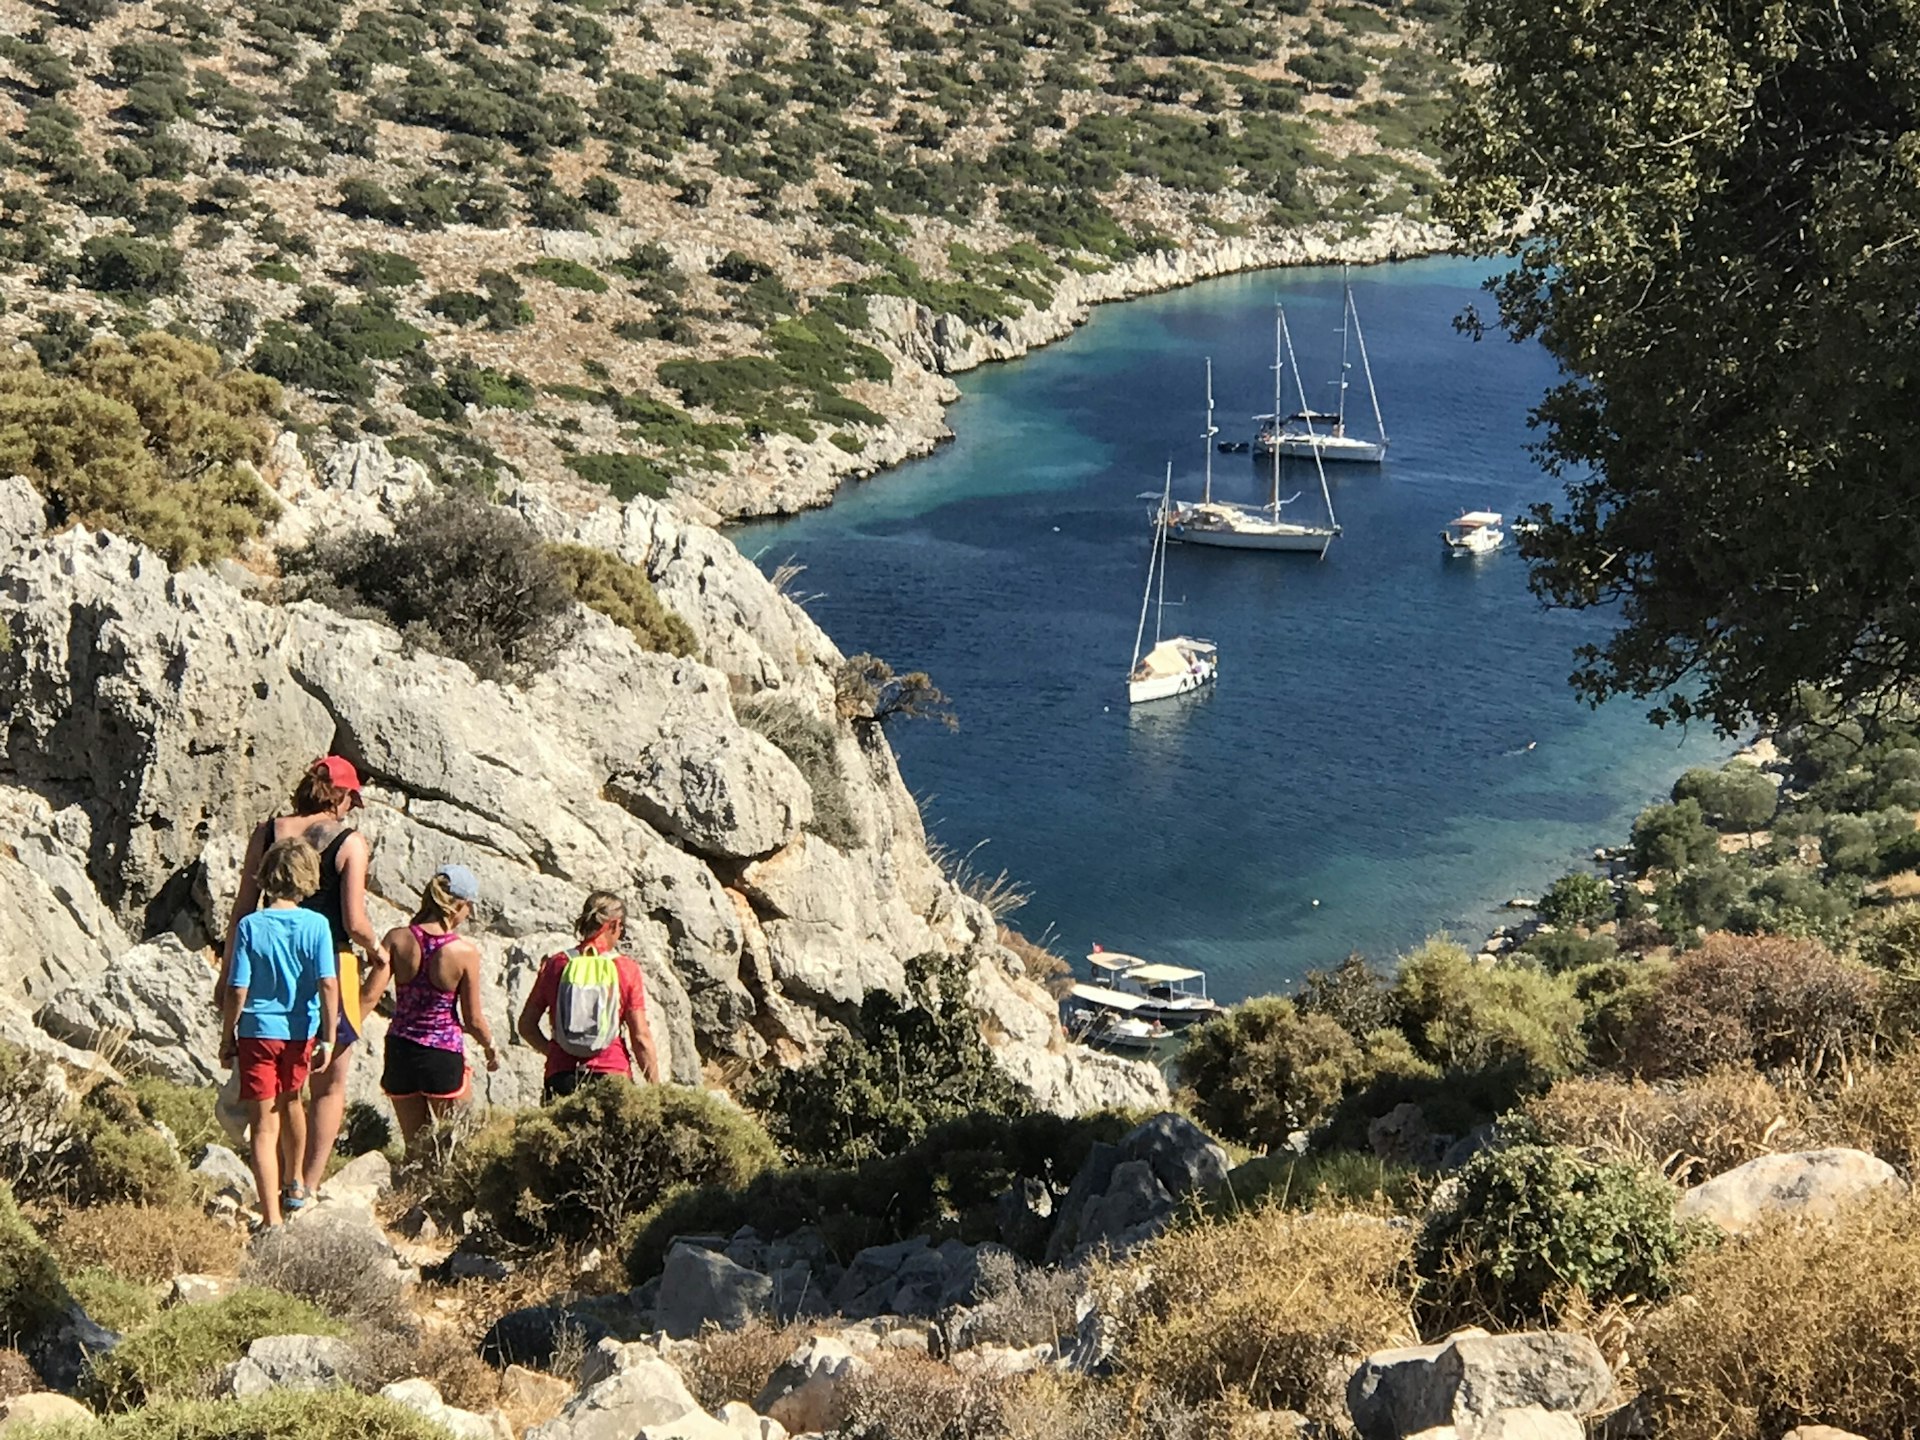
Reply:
x=326, y=902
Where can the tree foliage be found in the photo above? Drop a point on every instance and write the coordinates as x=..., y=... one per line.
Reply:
x=153, y=440
x=1721, y=259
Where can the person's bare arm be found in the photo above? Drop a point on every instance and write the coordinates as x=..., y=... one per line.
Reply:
x=244, y=905
x=355, y=852
x=529, y=1027
x=473, y=1016
x=374, y=984
x=640, y=1044
x=232, y=1004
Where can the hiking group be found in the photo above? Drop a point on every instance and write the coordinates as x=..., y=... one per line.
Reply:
x=293, y=998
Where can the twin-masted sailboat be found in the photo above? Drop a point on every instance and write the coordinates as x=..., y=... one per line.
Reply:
x=1175, y=666
x=1231, y=526
x=1296, y=436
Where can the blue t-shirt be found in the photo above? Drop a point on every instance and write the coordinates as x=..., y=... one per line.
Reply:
x=279, y=959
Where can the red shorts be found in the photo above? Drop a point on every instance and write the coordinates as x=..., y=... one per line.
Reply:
x=269, y=1068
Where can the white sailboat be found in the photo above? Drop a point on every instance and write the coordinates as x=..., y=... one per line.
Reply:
x=1296, y=436
x=1171, y=667
x=1229, y=526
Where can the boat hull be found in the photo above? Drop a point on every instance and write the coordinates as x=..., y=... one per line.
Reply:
x=1455, y=547
x=1333, y=449
x=1165, y=687
x=1177, y=1017
x=1301, y=538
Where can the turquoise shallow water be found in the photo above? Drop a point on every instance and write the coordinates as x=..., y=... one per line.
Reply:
x=1366, y=746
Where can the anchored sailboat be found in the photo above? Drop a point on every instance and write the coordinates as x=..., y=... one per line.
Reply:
x=1296, y=435
x=1251, y=527
x=1171, y=667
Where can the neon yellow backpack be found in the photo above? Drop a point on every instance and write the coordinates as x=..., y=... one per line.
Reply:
x=586, y=1010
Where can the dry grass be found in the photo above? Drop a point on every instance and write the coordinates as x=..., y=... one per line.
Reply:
x=146, y=1243
x=17, y=1375
x=1000, y=893
x=1271, y=1305
x=1880, y=1111
x=736, y=1364
x=1813, y=1324
x=1043, y=966
x=439, y=1353
x=1688, y=1132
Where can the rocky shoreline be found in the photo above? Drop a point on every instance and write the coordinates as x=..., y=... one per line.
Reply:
x=783, y=476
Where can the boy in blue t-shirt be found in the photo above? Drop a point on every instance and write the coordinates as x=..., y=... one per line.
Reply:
x=283, y=987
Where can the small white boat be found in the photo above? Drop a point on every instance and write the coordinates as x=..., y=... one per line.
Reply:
x=1176, y=666
x=1477, y=532
x=1173, y=995
x=1109, y=1020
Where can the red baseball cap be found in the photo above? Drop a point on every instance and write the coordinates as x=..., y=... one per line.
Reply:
x=341, y=772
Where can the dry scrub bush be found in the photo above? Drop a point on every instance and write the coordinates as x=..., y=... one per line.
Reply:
x=910, y=1397
x=1021, y=1304
x=1046, y=1405
x=281, y=1415
x=1782, y=1004
x=1810, y=1324
x=17, y=1375
x=1272, y=1304
x=147, y=1243
x=1689, y=1133
x=736, y=1364
x=1880, y=1111
x=330, y=1263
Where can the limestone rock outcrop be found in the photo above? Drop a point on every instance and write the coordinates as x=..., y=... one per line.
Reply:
x=1803, y=1184
x=152, y=719
x=1475, y=1386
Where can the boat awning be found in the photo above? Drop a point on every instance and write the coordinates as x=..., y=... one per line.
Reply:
x=1311, y=415
x=1114, y=960
x=1163, y=974
x=1107, y=999
x=1166, y=658
x=1474, y=519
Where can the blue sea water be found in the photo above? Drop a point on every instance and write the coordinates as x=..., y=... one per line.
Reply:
x=1392, y=749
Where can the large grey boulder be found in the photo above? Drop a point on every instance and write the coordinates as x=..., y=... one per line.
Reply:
x=423, y=1398
x=160, y=994
x=701, y=1287
x=1126, y=1193
x=625, y=1389
x=807, y=1394
x=729, y=795
x=1478, y=1386
x=289, y=1362
x=1803, y=1184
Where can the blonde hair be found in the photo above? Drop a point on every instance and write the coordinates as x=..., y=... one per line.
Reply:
x=290, y=870
x=437, y=901
x=603, y=907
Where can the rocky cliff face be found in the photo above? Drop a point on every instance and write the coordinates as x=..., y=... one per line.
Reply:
x=152, y=719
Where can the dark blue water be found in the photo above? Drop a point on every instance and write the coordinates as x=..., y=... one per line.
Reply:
x=1366, y=747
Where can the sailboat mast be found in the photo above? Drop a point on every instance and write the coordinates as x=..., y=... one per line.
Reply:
x=1206, y=493
x=1366, y=366
x=1160, y=608
x=1279, y=321
x=1321, y=469
x=1346, y=310
x=1146, y=595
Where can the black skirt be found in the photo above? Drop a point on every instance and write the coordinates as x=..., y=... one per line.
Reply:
x=423, y=1071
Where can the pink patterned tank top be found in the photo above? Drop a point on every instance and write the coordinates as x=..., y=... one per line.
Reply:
x=422, y=1012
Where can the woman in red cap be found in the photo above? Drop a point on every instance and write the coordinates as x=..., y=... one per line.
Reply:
x=327, y=794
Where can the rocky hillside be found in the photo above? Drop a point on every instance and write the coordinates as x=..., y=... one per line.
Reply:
x=152, y=718
x=718, y=250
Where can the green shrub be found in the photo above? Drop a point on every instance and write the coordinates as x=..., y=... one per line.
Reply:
x=625, y=475
x=568, y=274
x=111, y=1300
x=622, y=592
x=1464, y=1016
x=1577, y=898
x=814, y=748
x=1530, y=1226
x=121, y=265
x=901, y=1068
x=458, y=576
x=379, y=269
x=1736, y=797
x=1672, y=837
x=582, y=1168
x=1337, y=1180
x=32, y=1296
x=153, y=440
x=280, y=1415
x=1559, y=952
x=181, y=1355
x=1778, y=1003
x=490, y=389
x=1354, y=993
x=1263, y=1069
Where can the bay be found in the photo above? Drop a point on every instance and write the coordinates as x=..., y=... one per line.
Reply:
x=1392, y=749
